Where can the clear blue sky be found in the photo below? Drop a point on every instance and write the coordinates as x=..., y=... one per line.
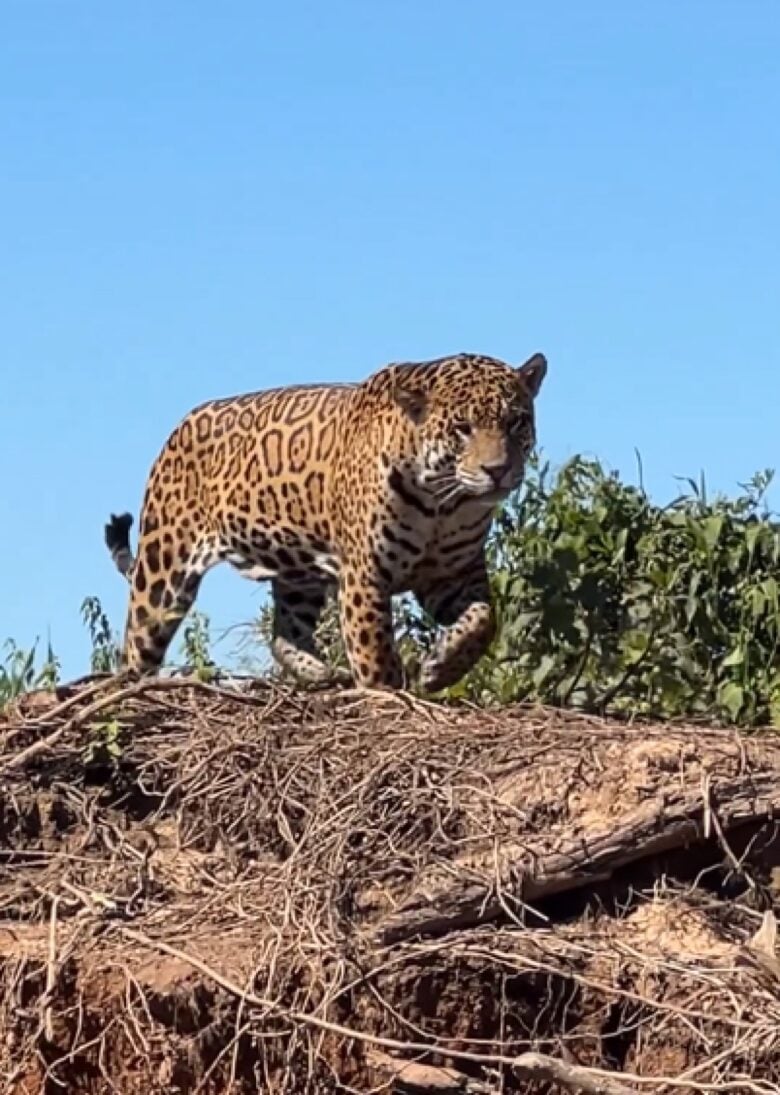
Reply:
x=201, y=199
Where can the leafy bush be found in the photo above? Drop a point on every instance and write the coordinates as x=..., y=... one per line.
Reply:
x=106, y=651
x=196, y=645
x=608, y=602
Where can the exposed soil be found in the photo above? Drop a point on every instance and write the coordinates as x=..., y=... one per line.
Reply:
x=234, y=889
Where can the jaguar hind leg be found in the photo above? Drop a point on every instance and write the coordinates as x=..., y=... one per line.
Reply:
x=298, y=610
x=165, y=579
x=462, y=606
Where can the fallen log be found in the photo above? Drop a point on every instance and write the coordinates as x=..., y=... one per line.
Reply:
x=661, y=825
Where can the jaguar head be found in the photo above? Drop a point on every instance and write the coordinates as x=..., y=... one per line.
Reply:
x=474, y=424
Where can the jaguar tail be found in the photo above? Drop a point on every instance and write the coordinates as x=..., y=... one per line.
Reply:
x=117, y=537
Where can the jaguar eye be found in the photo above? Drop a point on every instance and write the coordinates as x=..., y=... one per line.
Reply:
x=462, y=429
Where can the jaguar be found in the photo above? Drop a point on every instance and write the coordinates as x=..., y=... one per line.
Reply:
x=368, y=490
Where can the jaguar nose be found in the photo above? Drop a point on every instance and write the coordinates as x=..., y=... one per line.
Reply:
x=497, y=472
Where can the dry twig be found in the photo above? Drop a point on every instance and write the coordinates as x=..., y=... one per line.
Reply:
x=302, y=882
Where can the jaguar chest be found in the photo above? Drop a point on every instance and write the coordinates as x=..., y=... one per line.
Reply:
x=421, y=548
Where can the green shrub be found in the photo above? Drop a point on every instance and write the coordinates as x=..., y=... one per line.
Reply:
x=106, y=651
x=606, y=601
x=196, y=645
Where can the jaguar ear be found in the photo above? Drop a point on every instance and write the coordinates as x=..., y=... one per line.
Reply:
x=533, y=373
x=409, y=396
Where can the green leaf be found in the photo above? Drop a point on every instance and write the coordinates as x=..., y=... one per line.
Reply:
x=752, y=537
x=732, y=698
x=635, y=644
x=543, y=670
x=735, y=657
x=711, y=528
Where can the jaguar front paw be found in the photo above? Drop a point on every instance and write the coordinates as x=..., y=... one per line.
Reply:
x=435, y=675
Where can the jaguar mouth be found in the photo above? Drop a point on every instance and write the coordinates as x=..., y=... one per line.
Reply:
x=496, y=495
x=488, y=494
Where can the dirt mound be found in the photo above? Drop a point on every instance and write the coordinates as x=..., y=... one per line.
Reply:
x=240, y=888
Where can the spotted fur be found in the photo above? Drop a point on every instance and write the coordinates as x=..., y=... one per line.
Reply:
x=373, y=489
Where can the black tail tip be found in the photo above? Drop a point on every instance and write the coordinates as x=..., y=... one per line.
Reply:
x=117, y=531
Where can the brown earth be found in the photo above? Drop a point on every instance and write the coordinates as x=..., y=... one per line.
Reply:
x=239, y=889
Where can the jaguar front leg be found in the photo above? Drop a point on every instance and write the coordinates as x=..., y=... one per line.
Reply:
x=365, y=610
x=462, y=606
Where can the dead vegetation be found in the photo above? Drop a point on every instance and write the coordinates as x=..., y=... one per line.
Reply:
x=232, y=889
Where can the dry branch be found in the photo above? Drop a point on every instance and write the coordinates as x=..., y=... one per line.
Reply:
x=291, y=891
x=412, y=1077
